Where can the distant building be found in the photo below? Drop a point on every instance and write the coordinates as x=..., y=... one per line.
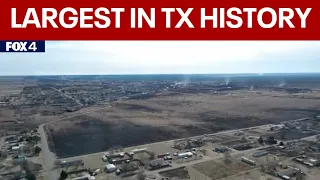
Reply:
x=221, y=149
x=110, y=168
x=19, y=159
x=15, y=148
x=310, y=162
x=135, y=151
x=158, y=163
x=10, y=133
x=186, y=154
x=249, y=161
x=119, y=154
x=71, y=163
x=86, y=177
x=259, y=154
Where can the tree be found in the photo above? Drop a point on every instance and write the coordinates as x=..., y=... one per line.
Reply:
x=31, y=176
x=63, y=175
x=281, y=144
x=243, y=138
x=143, y=157
x=29, y=173
x=37, y=150
x=204, y=151
x=152, y=155
x=260, y=140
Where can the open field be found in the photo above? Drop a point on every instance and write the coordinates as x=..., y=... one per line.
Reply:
x=213, y=165
x=133, y=110
x=165, y=117
x=218, y=170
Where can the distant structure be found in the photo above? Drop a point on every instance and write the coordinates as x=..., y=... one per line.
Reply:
x=186, y=154
x=221, y=149
x=110, y=168
x=249, y=161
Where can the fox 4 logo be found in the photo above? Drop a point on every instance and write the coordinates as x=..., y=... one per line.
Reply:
x=21, y=46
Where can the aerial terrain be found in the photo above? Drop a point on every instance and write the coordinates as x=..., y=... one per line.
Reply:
x=81, y=115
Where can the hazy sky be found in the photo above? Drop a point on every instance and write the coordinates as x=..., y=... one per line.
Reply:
x=162, y=57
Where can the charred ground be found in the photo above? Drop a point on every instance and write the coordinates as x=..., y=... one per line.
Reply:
x=150, y=108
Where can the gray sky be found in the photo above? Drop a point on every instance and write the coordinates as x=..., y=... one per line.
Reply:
x=163, y=57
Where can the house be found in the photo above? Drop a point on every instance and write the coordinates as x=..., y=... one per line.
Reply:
x=110, y=168
x=86, y=177
x=259, y=154
x=158, y=163
x=186, y=154
x=221, y=149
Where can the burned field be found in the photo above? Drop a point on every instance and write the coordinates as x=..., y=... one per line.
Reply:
x=132, y=110
x=134, y=122
x=179, y=173
x=241, y=145
x=286, y=135
x=94, y=136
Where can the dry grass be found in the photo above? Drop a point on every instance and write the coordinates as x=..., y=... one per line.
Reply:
x=164, y=117
x=199, y=109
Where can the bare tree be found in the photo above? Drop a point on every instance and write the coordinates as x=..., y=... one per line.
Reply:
x=204, y=152
x=143, y=158
x=63, y=175
x=243, y=138
x=151, y=154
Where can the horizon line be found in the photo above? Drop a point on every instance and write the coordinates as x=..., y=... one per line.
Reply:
x=138, y=74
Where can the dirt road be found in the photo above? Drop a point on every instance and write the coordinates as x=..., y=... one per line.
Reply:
x=52, y=173
x=49, y=157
